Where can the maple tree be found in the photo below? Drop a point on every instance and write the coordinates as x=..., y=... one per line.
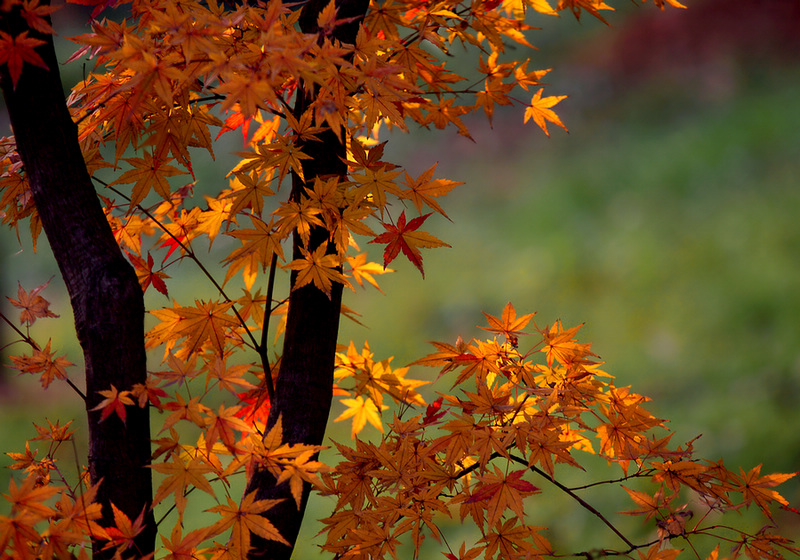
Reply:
x=107, y=174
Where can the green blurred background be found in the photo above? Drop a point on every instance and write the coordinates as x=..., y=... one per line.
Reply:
x=666, y=220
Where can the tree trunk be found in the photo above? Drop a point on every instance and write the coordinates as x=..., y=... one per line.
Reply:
x=304, y=388
x=106, y=298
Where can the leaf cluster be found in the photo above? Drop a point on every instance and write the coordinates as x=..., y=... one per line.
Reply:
x=485, y=451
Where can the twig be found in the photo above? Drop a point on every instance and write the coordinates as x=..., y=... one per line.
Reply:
x=575, y=497
x=192, y=256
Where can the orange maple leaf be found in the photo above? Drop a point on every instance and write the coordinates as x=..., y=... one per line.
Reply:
x=208, y=322
x=648, y=505
x=221, y=427
x=502, y=491
x=29, y=497
x=32, y=304
x=182, y=476
x=244, y=519
x=148, y=172
x=43, y=361
x=405, y=237
x=755, y=488
x=184, y=548
x=425, y=187
x=509, y=325
x=16, y=51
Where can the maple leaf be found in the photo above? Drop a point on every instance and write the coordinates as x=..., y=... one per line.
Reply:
x=434, y=412
x=423, y=190
x=244, y=519
x=228, y=378
x=502, y=491
x=26, y=461
x=510, y=326
x=510, y=540
x=16, y=51
x=281, y=155
x=146, y=274
x=114, y=403
x=591, y=6
x=54, y=432
x=43, y=361
x=299, y=216
x=210, y=221
x=32, y=304
x=193, y=411
x=361, y=410
x=539, y=110
x=656, y=552
x=124, y=531
x=36, y=15
x=374, y=183
x=405, y=237
x=648, y=505
x=674, y=3
x=258, y=246
x=319, y=268
x=148, y=172
x=363, y=270
x=181, y=477
x=29, y=497
x=149, y=391
x=249, y=191
x=184, y=548
x=221, y=427
x=755, y=488
x=208, y=322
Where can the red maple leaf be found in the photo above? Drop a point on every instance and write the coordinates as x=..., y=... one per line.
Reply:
x=405, y=237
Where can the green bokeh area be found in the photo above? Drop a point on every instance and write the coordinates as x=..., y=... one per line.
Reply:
x=666, y=221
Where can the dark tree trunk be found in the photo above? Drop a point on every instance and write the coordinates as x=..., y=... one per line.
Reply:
x=106, y=298
x=304, y=388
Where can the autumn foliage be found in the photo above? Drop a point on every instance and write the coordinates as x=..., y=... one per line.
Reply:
x=514, y=411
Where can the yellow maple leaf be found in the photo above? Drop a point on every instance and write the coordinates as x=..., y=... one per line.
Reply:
x=361, y=410
x=539, y=110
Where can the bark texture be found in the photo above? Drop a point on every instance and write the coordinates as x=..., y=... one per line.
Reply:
x=304, y=388
x=106, y=298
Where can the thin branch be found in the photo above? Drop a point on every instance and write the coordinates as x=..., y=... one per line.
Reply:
x=637, y=474
x=262, y=348
x=190, y=253
x=32, y=343
x=575, y=497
